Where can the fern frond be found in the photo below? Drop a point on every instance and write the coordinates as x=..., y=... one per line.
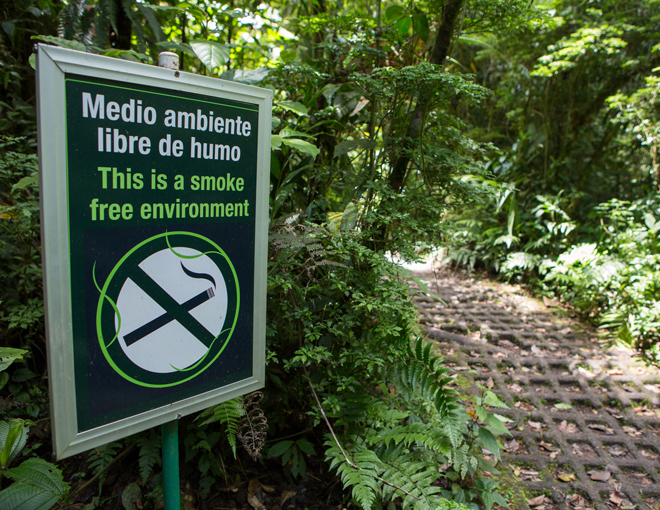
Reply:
x=362, y=475
x=414, y=476
x=150, y=454
x=228, y=414
x=419, y=434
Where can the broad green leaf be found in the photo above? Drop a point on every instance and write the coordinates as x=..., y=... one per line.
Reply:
x=305, y=446
x=211, y=53
x=176, y=47
x=275, y=167
x=38, y=485
x=403, y=26
x=421, y=26
x=24, y=182
x=482, y=414
x=131, y=55
x=130, y=495
x=58, y=41
x=8, y=354
x=279, y=448
x=249, y=77
x=293, y=106
x=9, y=28
x=302, y=146
x=195, y=11
x=32, y=60
x=349, y=217
x=275, y=141
x=348, y=145
x=649, y=219
x=474, y=40
x=489, y=442
x=288, y=133
x=394, y=12
x=562, y=405
x=496, y=425
x=492, y=399
x=13, y=436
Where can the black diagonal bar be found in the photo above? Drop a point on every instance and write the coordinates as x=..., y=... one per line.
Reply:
x=176, y=311
x=166, y=318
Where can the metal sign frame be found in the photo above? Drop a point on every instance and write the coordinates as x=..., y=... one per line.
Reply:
x=53, y=65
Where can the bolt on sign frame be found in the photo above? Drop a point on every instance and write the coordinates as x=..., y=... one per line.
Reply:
x=154, y=209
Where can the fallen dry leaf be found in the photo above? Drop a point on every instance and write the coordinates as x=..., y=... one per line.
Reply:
x=615, y=412
x=554, y=455
x=515, y=387
x=549, y=446
x=536, y=350
x=512, y=445
x=652, y=388
x=254, y=502
x=253, y=486
x=536, y=425
x=567, y=428
x=287, y=495
x=599, y=476
x=631, y=431
x=567, y=478
x=537, y=501
x=617, y=450
x=617, y=498
x=650, y=455
x=529, y=475
x=583, y=450
x=601, y=428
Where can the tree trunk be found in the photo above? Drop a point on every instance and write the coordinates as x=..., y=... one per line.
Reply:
x=120, y=39
x=438, y=56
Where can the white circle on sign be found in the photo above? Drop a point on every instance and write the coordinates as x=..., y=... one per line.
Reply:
x=149, y=335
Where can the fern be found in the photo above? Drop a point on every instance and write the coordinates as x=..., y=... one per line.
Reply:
x=228, y=414
x=150, y=454
x=361, y=475
x=101, y=457
x=423, y=374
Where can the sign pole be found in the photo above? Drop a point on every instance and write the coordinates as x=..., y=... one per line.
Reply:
x=170, y=445
x=170, y=431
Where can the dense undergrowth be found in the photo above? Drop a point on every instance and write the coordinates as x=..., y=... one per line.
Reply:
x=368, y=146
x=575, y=117
x=523, y=135
x=608, y=273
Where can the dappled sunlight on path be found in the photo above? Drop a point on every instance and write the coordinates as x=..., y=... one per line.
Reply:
x=585, y=430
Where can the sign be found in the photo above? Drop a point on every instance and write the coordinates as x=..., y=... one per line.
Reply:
x=154, y=215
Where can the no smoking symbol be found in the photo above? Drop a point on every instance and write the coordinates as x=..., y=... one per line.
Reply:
x=168, y=309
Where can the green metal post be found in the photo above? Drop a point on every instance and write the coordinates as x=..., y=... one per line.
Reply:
x=170, y=435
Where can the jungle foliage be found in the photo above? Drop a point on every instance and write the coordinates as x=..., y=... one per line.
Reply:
x=574, y=115
x=522, y=134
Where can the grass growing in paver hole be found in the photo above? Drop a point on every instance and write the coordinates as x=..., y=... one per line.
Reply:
x=541, y=387
x=556, y=368
x=570, y=386
x=563, y=473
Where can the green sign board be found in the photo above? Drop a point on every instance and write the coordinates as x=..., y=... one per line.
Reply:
x=154, y=212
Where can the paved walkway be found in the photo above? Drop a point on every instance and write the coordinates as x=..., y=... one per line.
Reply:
x=586, y=431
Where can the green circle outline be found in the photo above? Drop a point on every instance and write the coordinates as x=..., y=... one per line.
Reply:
x=104, y=296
